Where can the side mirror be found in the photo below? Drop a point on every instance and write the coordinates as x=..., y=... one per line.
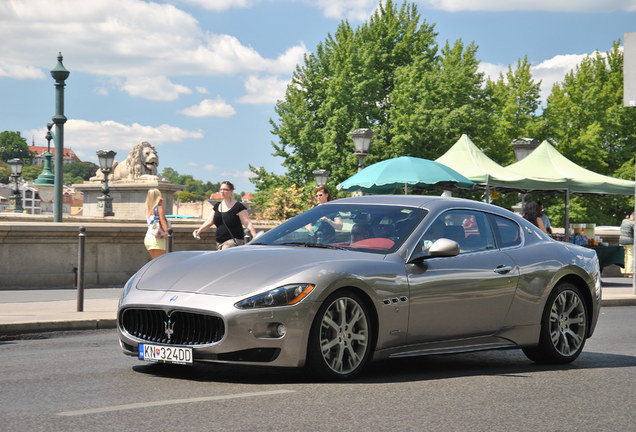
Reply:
x=442, y=247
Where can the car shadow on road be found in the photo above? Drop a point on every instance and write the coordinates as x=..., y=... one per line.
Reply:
x=424, y=368
x=485, y=363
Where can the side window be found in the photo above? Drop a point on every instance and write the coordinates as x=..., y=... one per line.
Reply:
x=470, y=229
x=507, y=232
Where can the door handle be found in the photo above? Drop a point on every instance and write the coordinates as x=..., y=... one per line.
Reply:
x=503, y=269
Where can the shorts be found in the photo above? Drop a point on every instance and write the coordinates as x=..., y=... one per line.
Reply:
x=229, y=244
x=151, y=242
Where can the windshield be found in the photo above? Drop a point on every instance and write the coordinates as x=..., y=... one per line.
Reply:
x=370, y=228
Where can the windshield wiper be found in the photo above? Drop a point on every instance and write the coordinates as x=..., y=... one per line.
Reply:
x=312, y=245
x=324, y=246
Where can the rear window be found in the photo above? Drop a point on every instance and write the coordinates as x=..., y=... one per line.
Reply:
x=507, y=231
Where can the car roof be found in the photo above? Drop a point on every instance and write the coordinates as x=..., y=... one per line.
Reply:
x=430, y=202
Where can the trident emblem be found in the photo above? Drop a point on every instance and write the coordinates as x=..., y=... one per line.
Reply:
x=168, y=328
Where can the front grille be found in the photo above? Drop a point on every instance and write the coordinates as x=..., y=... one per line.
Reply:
x=177, y=328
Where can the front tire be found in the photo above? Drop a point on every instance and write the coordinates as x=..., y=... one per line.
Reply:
x=563, y=327
x=341, y=337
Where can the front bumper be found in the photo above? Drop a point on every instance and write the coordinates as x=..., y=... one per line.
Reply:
x=248, y=336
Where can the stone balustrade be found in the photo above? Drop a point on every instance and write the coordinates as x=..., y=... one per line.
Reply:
x=36, y=254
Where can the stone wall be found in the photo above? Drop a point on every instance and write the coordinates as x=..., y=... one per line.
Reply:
x=36, y=255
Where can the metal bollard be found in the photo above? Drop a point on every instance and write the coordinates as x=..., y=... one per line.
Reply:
x=80, y=269
x=170, y=240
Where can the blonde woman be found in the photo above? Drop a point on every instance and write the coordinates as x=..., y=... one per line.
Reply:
x=154, y=210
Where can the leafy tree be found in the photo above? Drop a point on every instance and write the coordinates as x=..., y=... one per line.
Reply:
x=516, y=101
x=31, y=172
x=185, y=196
x=285, y=203
x=347, y=83
x=435, y=102
x=388, y=75
x=79, y=170
x=13, y=145
x=588, y=124
x=195, y=190
x=5, y=172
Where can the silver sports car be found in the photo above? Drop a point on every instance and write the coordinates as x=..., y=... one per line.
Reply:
x=367, y=278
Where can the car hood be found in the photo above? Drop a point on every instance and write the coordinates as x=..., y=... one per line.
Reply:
x=239, y=271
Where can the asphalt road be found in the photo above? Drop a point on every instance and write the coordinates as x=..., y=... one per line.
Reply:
x=79, y=381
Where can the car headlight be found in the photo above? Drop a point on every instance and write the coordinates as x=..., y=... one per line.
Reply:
x=281, y=296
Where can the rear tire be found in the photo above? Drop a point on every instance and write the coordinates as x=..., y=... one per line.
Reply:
x=564, y=327
x=341, y=337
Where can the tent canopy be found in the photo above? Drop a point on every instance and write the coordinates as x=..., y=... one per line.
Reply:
x=468, y=159
x=549, y=169
x=543, y=169
x=404, y=171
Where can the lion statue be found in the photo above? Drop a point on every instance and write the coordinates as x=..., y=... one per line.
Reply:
x=141, y=164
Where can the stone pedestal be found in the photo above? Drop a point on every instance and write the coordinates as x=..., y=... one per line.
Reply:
x=128, y=198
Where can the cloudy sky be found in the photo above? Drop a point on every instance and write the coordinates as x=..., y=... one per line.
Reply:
x=199, y=79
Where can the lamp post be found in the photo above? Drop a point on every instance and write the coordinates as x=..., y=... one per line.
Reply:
x=321, y=176
x=105, y=202
x=362, y=142
x=523, y=147
x=16, y=173
x=46, y=177
x=59, y=74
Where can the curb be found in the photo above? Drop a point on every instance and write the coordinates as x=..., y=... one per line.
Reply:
x=619, y=302
x=17, y=329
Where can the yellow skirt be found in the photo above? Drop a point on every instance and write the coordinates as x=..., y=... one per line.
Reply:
x=151, y=242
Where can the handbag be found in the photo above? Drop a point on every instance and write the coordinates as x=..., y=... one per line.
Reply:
x=156, y=228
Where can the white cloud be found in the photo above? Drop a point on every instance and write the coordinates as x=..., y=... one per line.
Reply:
x=157, y=88
x=263, y=90
x=210, y=108
x=238, y=175
x=122, y=38
x=548, y=71
x=86, y=137
x=532, y=5
x=492, y=70
x=350, y=9
x=19, y=71
x=209, y=167
x=219, y=5
x=201, y=90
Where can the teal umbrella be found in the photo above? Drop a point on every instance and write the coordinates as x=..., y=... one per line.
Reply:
x=406, y=172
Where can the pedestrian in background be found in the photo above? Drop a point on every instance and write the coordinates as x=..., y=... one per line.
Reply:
x=229, y=216
x=544, y=217
x=154, y=212
x=532, y=213
x=626, y=239
x=322, y=196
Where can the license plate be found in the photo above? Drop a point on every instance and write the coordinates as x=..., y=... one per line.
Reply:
x=165, y=354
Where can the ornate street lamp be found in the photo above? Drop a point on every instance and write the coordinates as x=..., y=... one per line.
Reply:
x=321, y=176
x=59, y=74
x=362, y=142
x=46, y=177
x=16, y=173
x=524, y=146
x=105, y=202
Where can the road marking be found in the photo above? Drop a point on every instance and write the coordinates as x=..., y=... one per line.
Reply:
x=170, y=402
